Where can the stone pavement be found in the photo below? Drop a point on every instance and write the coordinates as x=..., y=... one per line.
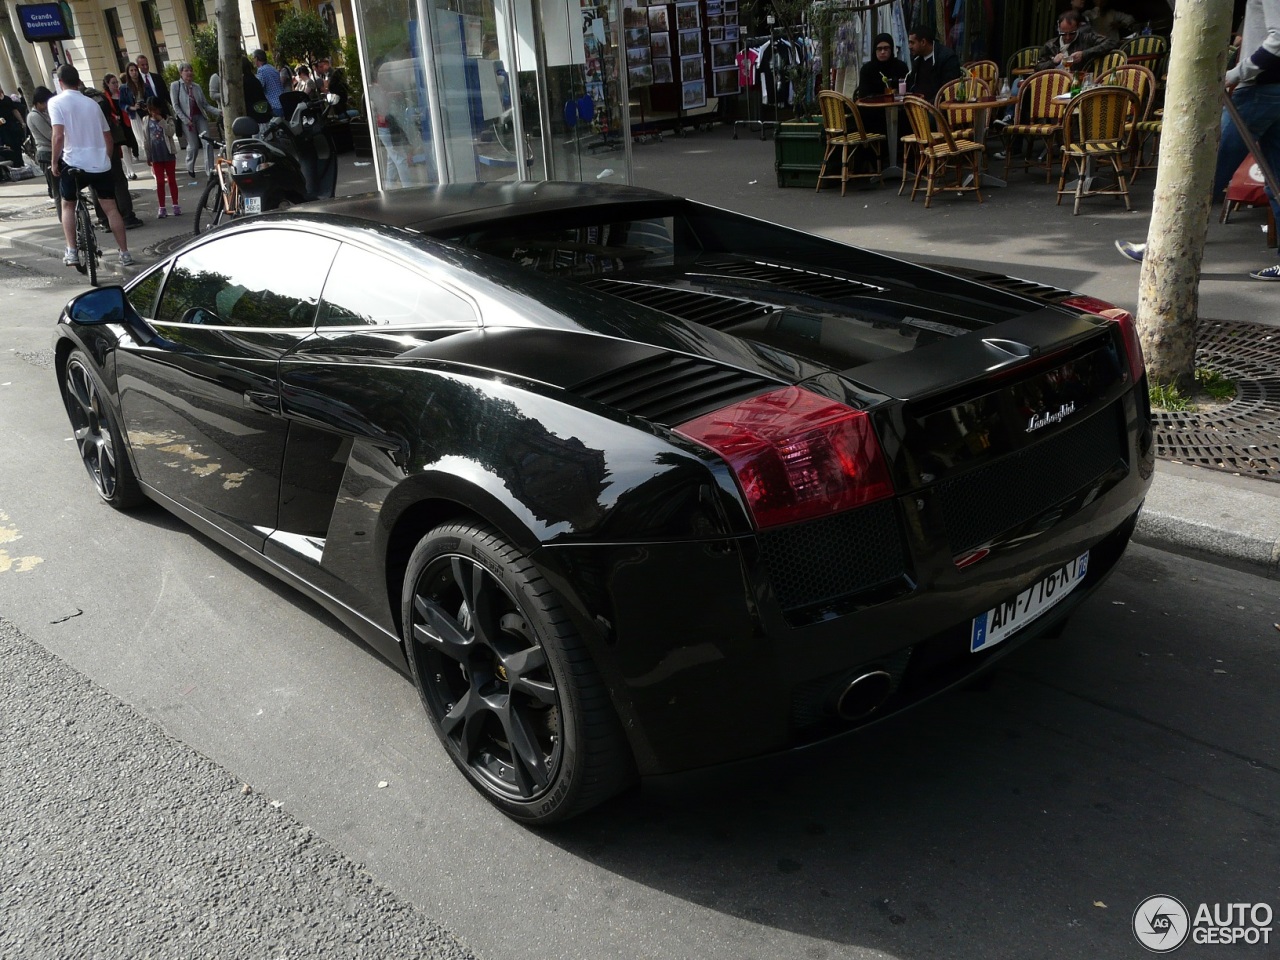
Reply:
x=1209, y=513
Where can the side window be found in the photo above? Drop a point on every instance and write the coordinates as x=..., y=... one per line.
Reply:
x=365, y=288
x=142, y=295
x=262, y=278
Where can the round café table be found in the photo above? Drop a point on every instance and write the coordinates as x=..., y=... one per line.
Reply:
x=981, y=107
x=889, y=103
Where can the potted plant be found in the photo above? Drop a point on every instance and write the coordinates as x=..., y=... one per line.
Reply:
x=799, y=143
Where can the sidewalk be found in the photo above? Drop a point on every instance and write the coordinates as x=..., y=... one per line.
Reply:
x=1018, y=231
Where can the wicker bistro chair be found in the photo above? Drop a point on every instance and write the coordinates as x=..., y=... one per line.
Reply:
x=988, y=71
x=1107, y=62
x=1038, y=117
x=1150, y=51
x=1022, y=59
x=960, y=91
x=1097, y=129
x=1139, y=79
x=837, y=112
x=939, y=151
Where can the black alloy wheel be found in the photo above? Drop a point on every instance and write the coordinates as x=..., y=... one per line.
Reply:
x=505, y=679
x=210, y=209
x=97, y=437
x=86, y=244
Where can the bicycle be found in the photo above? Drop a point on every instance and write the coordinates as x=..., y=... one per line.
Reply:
x=88, y=253
x=221, y=197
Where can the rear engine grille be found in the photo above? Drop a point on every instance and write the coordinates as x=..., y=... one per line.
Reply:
x=812, y=283
x=671, y=389
x=835, y=557
x=984, y=503
x=1027, y=288
x=702, y=308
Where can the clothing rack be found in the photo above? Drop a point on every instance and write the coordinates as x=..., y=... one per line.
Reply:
x=755, y=118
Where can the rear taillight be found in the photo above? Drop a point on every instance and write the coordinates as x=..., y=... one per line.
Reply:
x=1128, y=329
x=796, y=455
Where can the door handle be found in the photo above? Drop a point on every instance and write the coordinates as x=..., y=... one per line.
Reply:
x=262, y=400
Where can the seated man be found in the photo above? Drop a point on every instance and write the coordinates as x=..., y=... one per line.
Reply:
x=1074, y=46
x=932, y=64
x=1112, y=25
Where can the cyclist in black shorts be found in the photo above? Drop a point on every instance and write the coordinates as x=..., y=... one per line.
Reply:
x=82, y=141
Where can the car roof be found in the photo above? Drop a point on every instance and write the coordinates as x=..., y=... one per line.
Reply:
x=432, y=209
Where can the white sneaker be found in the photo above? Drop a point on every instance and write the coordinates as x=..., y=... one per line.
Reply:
x=126, y=258
x=71, y=257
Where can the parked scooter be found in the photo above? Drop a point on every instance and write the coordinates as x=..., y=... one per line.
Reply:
x=292, y=160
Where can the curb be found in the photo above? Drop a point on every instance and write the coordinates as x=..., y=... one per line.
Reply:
x=1236, y=524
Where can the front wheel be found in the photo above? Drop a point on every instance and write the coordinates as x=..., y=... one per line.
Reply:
x=505, y=679
x=97, y=436
x=211, y=208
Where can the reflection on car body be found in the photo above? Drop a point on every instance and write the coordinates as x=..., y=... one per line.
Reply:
x=628, y=485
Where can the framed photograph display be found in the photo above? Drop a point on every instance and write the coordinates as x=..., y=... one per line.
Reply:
x=724, y=55
x=687, y=17
x=724, y=83
x=690, y=43
x=731, y=32
x=715, y=34
x=662, y=71
x=637, y=36
x=695, y=95
x=640, y=76
x=660, y=44
x=660, y=18
x=635, y=17
x=637, y=57
x=691, y=69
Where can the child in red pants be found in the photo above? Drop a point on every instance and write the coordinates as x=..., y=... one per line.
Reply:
x=160, y=155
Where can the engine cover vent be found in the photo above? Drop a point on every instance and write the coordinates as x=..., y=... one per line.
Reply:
x=671, y=389
x=707, y=309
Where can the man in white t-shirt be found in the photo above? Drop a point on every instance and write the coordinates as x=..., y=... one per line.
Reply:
x=82, y=141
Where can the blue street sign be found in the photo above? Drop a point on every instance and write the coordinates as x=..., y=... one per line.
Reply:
x=45, y=21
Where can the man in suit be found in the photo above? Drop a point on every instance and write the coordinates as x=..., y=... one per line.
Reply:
x=932, y=64
x=195, y=114
x=154, y=84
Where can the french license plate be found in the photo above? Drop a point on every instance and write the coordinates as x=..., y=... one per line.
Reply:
x=252, y=204
x=1000, y=622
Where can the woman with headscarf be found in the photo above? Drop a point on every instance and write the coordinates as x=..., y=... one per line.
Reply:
x=881, y=73
x=879, y=76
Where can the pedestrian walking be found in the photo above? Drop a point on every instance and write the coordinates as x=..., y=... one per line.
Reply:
x=41, y=128
x=1253, y=85
x=194, y=112
x=160, y=154
x=82, y=140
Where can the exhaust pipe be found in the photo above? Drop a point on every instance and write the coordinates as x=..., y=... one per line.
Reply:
x=863, y=695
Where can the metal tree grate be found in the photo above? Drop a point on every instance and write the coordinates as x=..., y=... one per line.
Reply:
x=1244, y=436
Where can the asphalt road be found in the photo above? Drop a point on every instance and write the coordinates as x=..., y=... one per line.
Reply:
x=1135, y=755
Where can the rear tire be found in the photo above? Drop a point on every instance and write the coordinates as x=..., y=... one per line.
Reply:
x=210, y=209
x=86, y=240
x=98, y=438
x=506, y=680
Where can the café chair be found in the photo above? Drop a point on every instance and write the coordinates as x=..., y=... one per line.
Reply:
x=1021, y=61
x=963, y=120
x=1038, y=117
x=1107, y=62
x=1150, y=51
x=1097, y=130
x=988, y=71
x=940, y=151
x=1139, y=79
x=837, y=112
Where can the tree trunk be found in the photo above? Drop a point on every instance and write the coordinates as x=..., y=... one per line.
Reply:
x=226, y=15
x=15, y=54
x=1168, y=293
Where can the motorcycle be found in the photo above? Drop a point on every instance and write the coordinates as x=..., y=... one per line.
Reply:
x=292, y=160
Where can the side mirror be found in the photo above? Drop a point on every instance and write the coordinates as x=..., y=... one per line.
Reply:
x=103, y=305
x=109, y=305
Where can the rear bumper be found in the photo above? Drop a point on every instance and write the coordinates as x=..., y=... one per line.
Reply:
x=707, y=667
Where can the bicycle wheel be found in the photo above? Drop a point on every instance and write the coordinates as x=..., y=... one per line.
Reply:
x=86, y=243
x=210, y=209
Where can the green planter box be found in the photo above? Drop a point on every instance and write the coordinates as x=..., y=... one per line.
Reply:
x=798, y=148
